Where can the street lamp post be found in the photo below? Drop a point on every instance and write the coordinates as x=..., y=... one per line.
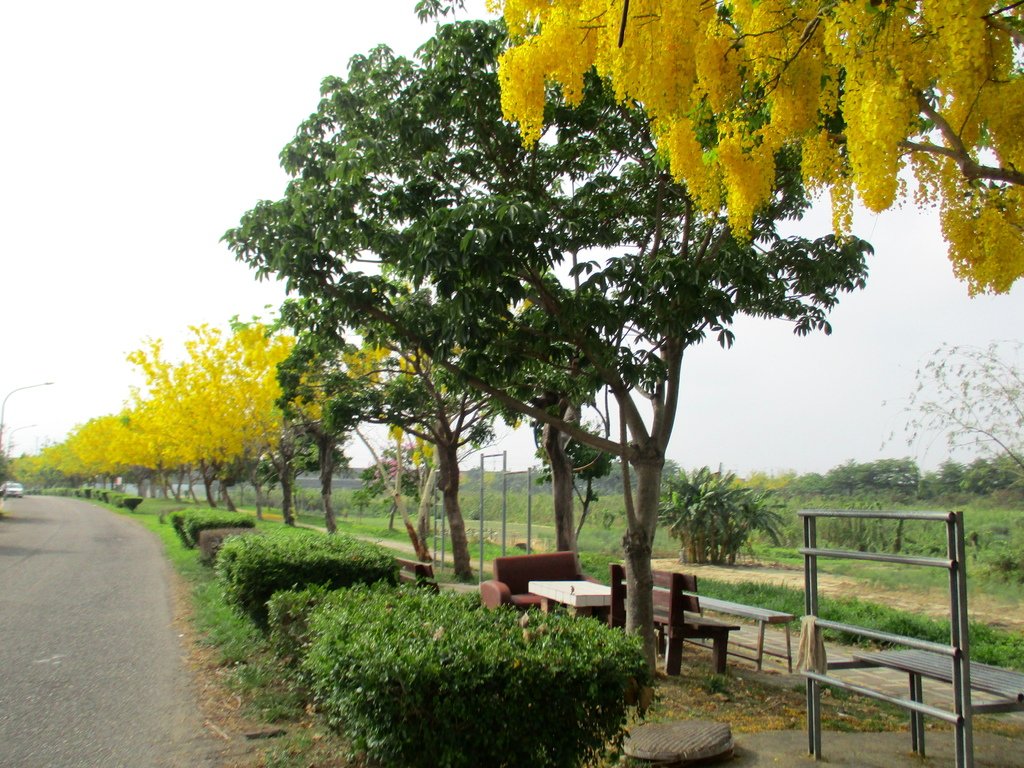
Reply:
x=3, y=408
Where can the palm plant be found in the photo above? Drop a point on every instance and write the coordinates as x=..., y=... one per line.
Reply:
x=714, y=517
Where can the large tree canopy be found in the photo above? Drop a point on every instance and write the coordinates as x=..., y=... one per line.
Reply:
x=870, y=91
x=575, y=265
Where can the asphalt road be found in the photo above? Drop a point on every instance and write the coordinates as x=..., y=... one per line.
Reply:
x=91, y=668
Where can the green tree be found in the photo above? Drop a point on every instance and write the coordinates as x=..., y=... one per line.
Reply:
x=408, y=164
x=974, y=396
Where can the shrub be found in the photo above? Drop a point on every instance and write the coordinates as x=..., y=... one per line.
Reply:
x=131, y=503
x=189, y=523
x=210, y=540
x=288, y=615
x=253, y=568
x=416, y=679
x=178, y=524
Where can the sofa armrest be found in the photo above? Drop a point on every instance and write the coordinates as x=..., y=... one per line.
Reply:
x=495, y=593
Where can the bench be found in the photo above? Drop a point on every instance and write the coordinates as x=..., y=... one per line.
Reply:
x=677, y=617
x=763, y=617
x=414, y=572
x=513, y=574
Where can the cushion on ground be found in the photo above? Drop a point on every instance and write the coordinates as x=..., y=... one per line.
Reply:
x=679, y=743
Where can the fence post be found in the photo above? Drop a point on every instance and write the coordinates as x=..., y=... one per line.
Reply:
x=529, y=508
x=481, y=517
x=504, y=499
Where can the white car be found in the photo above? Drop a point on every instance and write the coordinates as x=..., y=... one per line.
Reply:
x=12, y=489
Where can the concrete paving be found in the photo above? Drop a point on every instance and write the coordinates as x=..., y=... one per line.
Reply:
x=91, y=667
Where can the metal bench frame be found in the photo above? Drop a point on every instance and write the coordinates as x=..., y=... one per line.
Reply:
x=956, y=654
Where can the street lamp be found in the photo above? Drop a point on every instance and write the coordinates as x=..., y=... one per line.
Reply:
x=3, y=407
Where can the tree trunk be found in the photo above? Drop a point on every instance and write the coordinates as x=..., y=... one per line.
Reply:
x=561, y=488
x=228, y=501
x=258, y=491
x=325, y=447
x=208, y=474
x=286, y=495
x=448, y=471
x=398, y=503
x=637, y=546
x=426, y=499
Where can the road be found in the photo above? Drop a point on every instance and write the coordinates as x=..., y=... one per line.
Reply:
x=91, y=667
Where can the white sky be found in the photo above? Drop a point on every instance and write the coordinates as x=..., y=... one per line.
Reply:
x=134, y=134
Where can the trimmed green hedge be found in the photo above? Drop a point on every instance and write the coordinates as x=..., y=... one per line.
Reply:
x=417, y=679
x=131, y=503
x=288, y=615
x=253, y=568
x=188, y=523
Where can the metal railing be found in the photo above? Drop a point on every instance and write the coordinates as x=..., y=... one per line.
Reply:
x=957, y=650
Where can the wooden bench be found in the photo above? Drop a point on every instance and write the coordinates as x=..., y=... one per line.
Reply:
x=414, y=572
x=677, y=617
x=763, y=617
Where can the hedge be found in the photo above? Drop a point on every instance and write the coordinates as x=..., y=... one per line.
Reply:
x=253, y=568
x=210, y=540
x=421, y=680
x=187, y=524
x=288, y=615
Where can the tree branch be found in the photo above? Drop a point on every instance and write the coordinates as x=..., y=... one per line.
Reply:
x=957, y=151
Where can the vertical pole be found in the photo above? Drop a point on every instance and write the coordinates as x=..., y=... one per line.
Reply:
x=959, y=638
x=529, y=508
x=444, y=533
x=481, y=516
x=811, y=609
x=504, y=499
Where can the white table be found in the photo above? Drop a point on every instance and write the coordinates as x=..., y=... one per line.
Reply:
x=582, y=597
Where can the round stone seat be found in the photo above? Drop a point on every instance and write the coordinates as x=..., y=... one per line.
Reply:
x=680, y=743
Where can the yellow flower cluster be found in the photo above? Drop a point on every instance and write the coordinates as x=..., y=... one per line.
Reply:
x=858, y=85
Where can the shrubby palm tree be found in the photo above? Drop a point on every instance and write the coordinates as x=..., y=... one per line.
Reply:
x=713, y=516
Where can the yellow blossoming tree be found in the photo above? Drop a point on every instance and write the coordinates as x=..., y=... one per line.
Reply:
x=218, y=405
x=887, y=100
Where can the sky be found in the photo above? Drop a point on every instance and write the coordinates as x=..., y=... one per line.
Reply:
x=135, y=134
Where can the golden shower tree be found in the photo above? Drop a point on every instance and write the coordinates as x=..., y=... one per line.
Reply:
x=889, y=101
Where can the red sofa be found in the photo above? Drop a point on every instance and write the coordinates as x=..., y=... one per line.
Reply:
x=513, y=574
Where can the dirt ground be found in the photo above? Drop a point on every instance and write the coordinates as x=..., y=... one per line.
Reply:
x=933, y=603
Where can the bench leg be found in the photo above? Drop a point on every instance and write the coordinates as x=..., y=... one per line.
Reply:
x=719, y=650
x=916, y=718
x=789, y=650
x=674, y=655
x=760, y=644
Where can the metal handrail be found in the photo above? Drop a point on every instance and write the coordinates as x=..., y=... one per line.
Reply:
x=878, y=557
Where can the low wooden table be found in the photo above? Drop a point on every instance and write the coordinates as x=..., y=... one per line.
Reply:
x=582, y=597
